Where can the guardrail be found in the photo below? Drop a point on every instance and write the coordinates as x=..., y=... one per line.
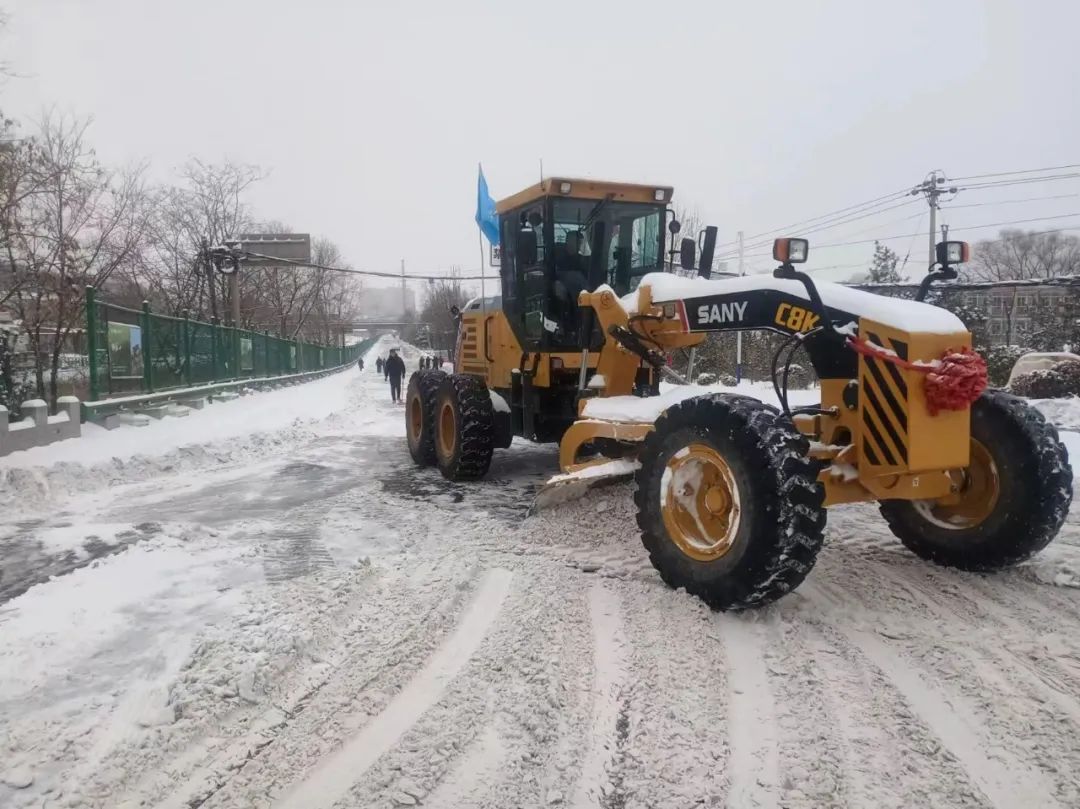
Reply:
x=137, y=352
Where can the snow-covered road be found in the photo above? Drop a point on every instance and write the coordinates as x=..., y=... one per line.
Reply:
x=310, y=621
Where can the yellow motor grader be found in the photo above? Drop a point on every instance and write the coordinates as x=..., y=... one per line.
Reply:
x=731, y=492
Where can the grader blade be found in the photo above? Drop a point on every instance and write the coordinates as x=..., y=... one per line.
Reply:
x=574, y=485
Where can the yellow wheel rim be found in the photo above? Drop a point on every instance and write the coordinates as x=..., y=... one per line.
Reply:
x=700, y=502
x=416, y=417
x=447, y=430
x=977, y=490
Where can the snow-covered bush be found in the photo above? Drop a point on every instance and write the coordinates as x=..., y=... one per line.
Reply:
x=728, y=380
x=1057, y=382
x=706, y=378
x=1000, y=360
x=1045, y=383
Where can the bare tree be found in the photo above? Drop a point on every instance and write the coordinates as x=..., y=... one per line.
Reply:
x=206, y=205
x=81, y=224
x=438, y=300
x=1020, y=256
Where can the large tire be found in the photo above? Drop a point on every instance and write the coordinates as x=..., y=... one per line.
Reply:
x=776, y=518
x=420, y=415
x=1033, y=493
x=464, y=428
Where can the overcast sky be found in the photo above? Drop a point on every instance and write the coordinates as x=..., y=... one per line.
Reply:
x=372, y=117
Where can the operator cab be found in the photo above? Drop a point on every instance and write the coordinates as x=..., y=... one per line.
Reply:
x=564, y=236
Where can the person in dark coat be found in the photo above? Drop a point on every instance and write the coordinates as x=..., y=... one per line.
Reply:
x=360, y=363
x=379, y=364
x=395, y=372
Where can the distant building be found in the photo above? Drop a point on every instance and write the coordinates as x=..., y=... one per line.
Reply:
x=386, y=302
x=1016, y=312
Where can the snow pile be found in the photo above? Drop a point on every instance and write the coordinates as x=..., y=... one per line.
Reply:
x=895, y=312
x=646, y=410
x=262, y=423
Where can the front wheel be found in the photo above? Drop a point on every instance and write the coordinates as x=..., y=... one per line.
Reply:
x=1010, y=502
x=728, y=503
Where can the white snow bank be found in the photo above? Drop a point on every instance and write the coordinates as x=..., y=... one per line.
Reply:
x=1062, y=413
x=646, y=410
x=895, y=312
x=258, y=412
x=498, y=403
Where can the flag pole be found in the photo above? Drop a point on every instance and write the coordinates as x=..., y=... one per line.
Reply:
x=483, y=298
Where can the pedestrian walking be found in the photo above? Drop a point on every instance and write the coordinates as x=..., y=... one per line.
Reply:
x=395, y=372
x=379, y=362
x=360, y=363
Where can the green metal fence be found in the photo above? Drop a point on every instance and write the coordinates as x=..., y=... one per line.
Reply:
x=135, y=351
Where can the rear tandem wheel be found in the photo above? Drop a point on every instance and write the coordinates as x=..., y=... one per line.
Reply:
x=420, y=415
x=464, y=428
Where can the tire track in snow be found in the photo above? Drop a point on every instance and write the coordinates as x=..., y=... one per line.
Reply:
x=942, y=604
x=753, y=762
x=472, y=775
x=594, y=785
x=949, y=717
x=1006, y=787
x=332, y=778
x=879, y=727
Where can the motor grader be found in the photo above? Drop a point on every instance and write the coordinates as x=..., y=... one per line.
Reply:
x=731, y=493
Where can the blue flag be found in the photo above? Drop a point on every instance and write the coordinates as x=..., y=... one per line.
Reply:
x=486, y=217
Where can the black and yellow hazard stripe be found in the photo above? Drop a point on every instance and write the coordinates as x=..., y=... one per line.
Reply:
x=884, y=406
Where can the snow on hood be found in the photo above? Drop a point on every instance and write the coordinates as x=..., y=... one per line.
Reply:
x=897, y=313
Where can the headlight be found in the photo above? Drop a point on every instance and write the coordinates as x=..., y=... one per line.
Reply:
x=790, y=251
x=952, y=252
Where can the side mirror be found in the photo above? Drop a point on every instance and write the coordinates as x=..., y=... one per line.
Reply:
x=688, y=254
x=674, y=226
x=708, y=247
x=455, y=311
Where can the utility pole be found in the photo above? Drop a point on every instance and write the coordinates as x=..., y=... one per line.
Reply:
x=738, y=334
x=404, y=308
x=932, y=188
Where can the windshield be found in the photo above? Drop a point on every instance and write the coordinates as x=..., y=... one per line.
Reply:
x=632, y=236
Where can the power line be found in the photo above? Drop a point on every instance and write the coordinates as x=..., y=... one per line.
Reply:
x=395, y=275
x=826, y=225
x=1011, y=173
x=1009, y=201
x=1023, y=181
x=966, y=227
x=876, y=202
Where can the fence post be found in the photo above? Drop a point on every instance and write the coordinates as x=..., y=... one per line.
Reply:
x=187, y=348
x=147, y=351
x=213, y=349
x=237, y=371
x=91, y=342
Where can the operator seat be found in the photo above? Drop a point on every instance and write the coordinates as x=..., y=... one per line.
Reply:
x=570, y=279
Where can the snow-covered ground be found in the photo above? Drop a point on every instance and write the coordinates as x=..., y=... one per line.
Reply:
x=288, y=613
